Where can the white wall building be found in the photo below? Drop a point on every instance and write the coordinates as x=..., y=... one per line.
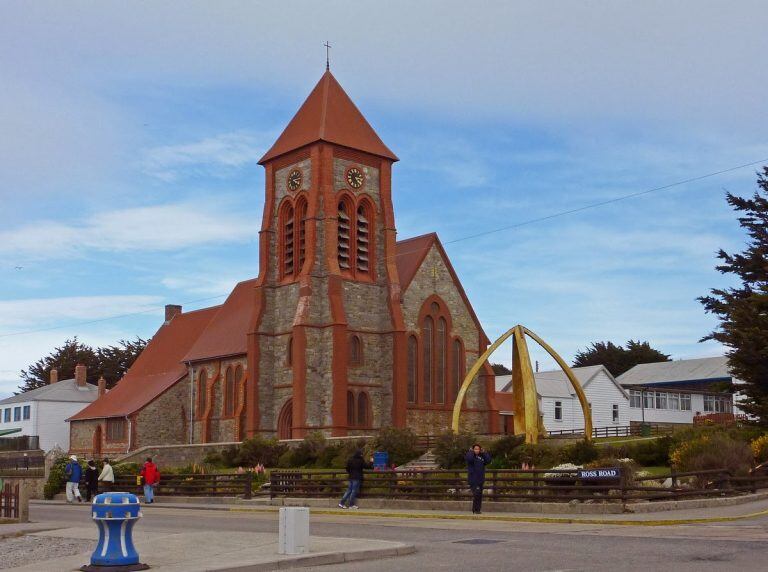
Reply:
x=677, y=391
x=43, y=412
x=559, y=406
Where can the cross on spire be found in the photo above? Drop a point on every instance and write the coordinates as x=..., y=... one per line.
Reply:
x=327, y=55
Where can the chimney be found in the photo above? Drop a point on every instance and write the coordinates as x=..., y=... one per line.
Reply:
x=80, y=374
x=171, y=310
x=102, y=386
x=54, y=376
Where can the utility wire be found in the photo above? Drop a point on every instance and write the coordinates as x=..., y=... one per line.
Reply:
x=453, y=241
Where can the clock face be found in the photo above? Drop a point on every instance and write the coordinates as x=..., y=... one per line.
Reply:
x=355, y=178
x=294, y=180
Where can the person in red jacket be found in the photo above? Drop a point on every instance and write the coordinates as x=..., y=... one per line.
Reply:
x=151, y=477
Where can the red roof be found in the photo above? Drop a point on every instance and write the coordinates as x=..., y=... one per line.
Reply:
x=158, y=367
x=328, y=114
x=226, y=334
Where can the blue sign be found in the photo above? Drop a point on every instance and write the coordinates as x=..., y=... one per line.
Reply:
x=380, y=461
x=600, y=473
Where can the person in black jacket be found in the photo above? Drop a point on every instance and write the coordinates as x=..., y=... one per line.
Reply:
x=355, y=467
x=91, y=480
x=476, y=459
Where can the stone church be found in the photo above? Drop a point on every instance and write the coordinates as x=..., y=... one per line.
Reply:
x=345, y=330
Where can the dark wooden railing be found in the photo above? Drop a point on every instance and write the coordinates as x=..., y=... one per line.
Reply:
x=616, y=431
x=512, y=485
x=30, y=464
x=720, y=419
x=22, y=443
x=9, y=501
x=213, y=485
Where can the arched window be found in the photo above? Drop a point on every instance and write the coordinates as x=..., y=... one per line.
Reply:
x=457, y=369
x=355, y=350
x=350, y=409
x=289, y=351
x=238, y=382
x=345, y=236
x=427, y=339
x=301, y=224
x=413, y=375
x=202, y=390
x=441, y=349
x=286, y=240
x=229, y=392
x=362, y=410
x=363, y=235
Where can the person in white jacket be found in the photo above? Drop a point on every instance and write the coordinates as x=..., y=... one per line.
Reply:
x=107, y=476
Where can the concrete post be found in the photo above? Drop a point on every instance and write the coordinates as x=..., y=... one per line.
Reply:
x=293, y=537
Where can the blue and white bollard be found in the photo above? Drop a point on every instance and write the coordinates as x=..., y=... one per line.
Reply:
x=115, y=514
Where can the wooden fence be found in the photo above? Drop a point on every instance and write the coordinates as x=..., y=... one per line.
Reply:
x=513, y=485
x=9, y=501
x=21, y=443
x=30, y=464
x=213, y=485
x=652, y=429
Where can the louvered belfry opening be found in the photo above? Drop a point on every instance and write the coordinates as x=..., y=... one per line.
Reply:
x=345, y=237
x=363, y=235
x=301, y=220
x=288, y=242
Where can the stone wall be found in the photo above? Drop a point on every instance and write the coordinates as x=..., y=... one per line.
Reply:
x=166, y=418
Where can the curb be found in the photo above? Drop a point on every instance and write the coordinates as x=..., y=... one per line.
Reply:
x=321, y=559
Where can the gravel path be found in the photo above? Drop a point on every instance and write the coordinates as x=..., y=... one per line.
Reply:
x=28, y=549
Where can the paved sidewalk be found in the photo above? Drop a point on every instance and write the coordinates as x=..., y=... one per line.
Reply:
x=681, y=516
x=222, y=551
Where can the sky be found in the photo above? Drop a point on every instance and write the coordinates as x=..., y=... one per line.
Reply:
x=131, y=133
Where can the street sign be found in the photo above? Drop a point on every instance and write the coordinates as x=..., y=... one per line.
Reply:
x=613, y=473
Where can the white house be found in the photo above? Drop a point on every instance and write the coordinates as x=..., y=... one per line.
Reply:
x=559, y=406
x=43, y=412
x=675, y=392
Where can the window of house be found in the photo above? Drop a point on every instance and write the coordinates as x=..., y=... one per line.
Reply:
x=615, y=413
x=7, y=415
x=229, y=392
x=17, y=413
x=362, y=410
x=558, y=410
x=458, y=372
x=709, y=403
x=116, y=429
x=635, y=398
x=650, y=399
x=289, y=351
x=27, y=413
x=287, y=239
x=350, y=409
x=355, y=351
x=673, y=401
x=202, y=392
x=685, y=402
x=412, y=368
x=661, y=400
x=426, y=358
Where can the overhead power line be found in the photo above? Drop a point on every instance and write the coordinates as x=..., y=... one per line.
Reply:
x=453, y=241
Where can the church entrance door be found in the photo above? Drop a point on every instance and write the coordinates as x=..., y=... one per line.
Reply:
x=285, y=421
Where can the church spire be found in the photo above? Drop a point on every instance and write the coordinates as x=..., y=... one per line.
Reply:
x=328, y=114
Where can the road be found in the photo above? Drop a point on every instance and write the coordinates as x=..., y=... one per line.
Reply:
x=491, y=546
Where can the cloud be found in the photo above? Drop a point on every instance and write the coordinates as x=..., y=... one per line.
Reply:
x=217, y=156
x=152, y=228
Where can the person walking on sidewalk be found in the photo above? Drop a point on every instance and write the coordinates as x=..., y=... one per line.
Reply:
x=107, y=477
x=355, y=467
x=91, y=480
x=151, y=477
x=476, y=459
x=73, y=472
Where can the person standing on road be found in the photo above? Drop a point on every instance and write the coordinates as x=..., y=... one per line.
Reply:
x=151, y=477
x=107, y=477
x=91, y=480
x=476, y=459
x=355, y=467
x=73, y=471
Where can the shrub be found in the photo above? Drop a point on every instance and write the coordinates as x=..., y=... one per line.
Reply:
x=504, y=452
x=760, y=449
x=580, y=452
x=653, y=452
x=309, y=450
x=56, y=478
x=451, y=449
x=629, y=467
x=713, y=451
x=401, y=444
x=254, y=451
